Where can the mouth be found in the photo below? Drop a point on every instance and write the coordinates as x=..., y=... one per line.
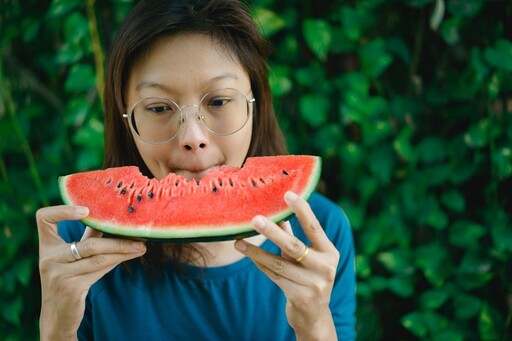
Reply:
x=196, y=173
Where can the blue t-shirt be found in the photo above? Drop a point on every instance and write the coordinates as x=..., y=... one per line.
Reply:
x=232, y=302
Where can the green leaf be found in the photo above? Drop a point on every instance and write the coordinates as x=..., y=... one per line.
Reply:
x=500, y=55
x=80, y=78
x=415, y=323
x=453, y=200
x=381, y=162
x=59, y=8
x=270, y=22
x=476, y=136
x=502, y=235
x=314, y=109
x=399, y=47
x=76, y=28
x=374, y=58
x=474, y=263
x=465, y=8
x=435, y=262
x=363, y=268
x=351, y=23
x=431, y=149
x=397, y=261
x=502, y=161
x=279, y=80
x=466, y=234
x=401, y=285
x=327, y=139
x=466, y=306
x=317, y=33
x=490, y=323
x=351, y=153
x=433, y=299
x=12, y=309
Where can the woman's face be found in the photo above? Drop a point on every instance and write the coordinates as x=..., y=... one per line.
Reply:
x=183, y=68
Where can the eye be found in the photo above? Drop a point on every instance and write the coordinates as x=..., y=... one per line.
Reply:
x=159, y=108
x=218, y=102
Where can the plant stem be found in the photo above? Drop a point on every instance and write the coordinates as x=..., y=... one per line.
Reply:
x=96, y=47
x=25, y=147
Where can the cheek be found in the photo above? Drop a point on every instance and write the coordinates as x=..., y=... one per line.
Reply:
x=237, y=147
x=151, y=153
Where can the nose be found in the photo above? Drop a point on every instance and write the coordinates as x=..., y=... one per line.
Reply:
x=193, y=136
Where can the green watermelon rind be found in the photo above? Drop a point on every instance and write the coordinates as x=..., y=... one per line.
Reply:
x=198, y=234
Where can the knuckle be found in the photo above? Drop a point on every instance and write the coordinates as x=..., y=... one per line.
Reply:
x=277, y=264
x=274, y=275
x=331, y=273
x=97, y=260
x=45, y=266
x=87, y=247
x=294, y=246
x=314, y=226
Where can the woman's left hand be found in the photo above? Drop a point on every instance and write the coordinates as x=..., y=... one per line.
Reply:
x=305, y=273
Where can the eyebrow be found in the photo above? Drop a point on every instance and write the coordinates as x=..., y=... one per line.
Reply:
x=149, y=84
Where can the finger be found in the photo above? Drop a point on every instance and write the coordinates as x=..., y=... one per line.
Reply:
x=103, y=246
x=91, y=233
x=274, y=266
x=287, y=227
x=288, y=244
x=308, y=221
x=100, y=264
x=48, y=217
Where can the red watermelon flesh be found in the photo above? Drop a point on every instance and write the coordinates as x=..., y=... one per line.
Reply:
x=220, y=206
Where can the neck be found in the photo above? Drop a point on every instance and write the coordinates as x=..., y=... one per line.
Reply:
x=221, y=253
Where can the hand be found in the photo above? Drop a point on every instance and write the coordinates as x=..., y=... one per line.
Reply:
x=65, y=281
x=306, y=279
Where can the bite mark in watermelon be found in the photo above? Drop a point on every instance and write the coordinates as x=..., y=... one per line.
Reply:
x=220, y=206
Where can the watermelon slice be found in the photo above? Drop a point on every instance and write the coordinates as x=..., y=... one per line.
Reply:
x=220, y=206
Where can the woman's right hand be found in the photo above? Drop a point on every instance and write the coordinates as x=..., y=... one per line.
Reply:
x=65, y=281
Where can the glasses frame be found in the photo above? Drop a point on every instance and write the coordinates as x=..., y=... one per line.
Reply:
x=200, y=116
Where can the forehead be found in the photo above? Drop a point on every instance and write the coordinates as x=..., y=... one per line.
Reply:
x=187, y=61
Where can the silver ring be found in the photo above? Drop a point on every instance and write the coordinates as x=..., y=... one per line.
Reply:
x=74, y=251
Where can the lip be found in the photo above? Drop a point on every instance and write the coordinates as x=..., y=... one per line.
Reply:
x=196, y=173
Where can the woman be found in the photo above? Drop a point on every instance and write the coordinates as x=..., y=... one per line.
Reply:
x=292, y=281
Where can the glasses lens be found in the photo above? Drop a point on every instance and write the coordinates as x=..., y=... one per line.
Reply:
x=224, y=111
x=156, y=119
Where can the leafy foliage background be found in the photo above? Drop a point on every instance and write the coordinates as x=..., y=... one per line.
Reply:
x=408, y=102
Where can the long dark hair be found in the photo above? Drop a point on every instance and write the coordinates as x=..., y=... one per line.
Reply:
x=228, y=22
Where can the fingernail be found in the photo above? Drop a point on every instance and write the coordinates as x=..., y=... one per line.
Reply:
x=259, y=222
x=138, y=245
x=240, y=245
x=290, y=196
x=82, y=211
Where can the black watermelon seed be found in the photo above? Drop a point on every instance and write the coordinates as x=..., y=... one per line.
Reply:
x=254, y=184
x=123, y=191
x=139, y=197
x=285, y=172
x=214, y=189
x=119, y=184
x=130, y=209
x=150, y=195
x=109, y=181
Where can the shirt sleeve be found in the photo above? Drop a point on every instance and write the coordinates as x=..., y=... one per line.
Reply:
x=337, y=228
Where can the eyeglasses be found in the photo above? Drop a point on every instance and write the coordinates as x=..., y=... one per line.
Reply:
x=156, y=120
